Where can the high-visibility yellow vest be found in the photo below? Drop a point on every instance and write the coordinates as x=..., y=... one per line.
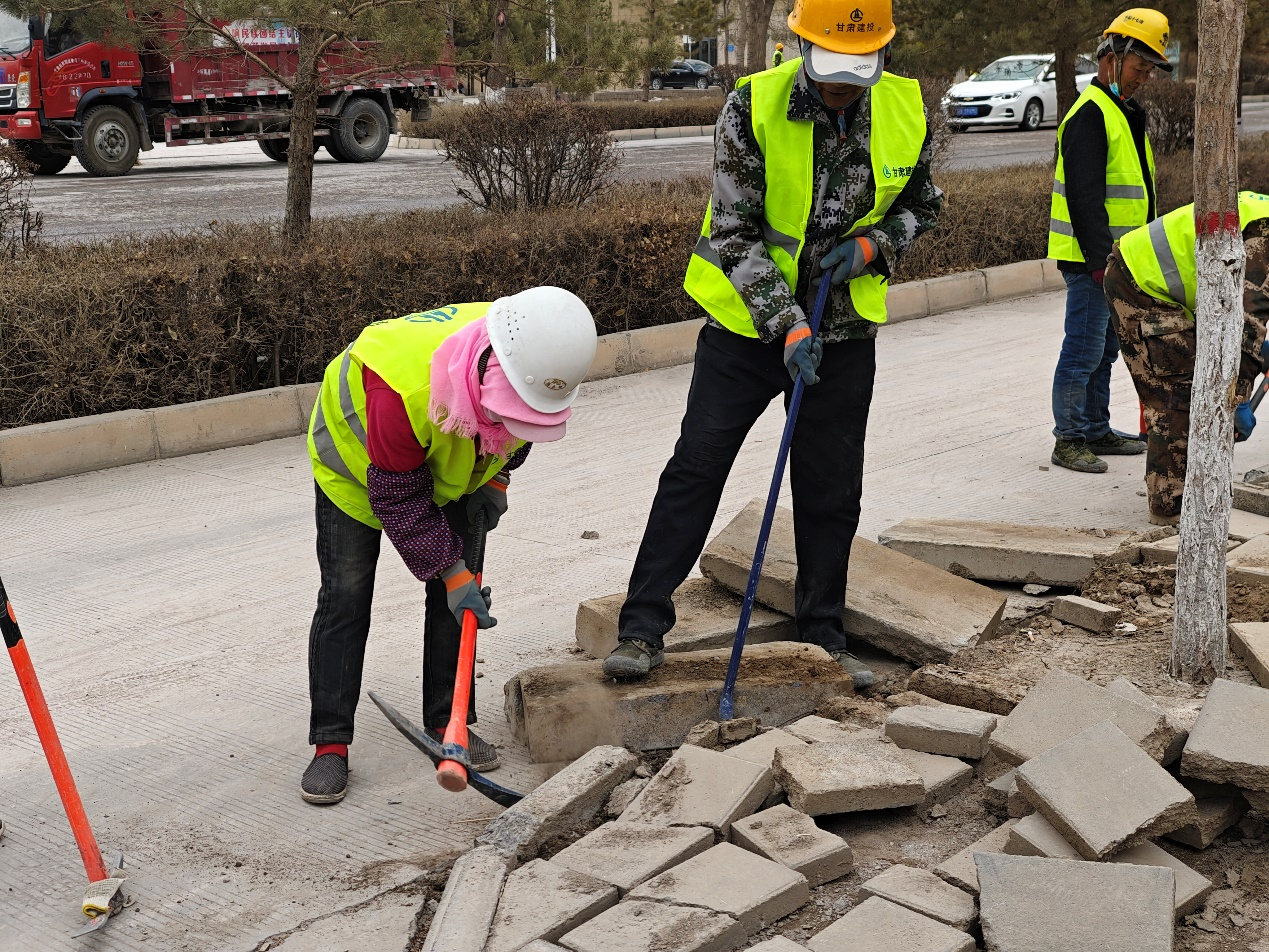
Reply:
x=898, y=133
x=1127, y=201
x=400, y=352
x=1160, y=255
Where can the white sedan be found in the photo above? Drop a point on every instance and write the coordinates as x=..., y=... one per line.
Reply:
x=1013, y=91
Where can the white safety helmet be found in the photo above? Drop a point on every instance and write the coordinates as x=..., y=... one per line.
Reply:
x=545, y=340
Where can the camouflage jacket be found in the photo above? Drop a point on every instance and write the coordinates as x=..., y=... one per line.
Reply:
x=844, y=192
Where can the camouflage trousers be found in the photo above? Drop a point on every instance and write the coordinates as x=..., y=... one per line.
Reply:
x=1158, y=343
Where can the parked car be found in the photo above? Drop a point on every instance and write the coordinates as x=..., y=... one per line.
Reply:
x=1013, y=91
x=685, y=73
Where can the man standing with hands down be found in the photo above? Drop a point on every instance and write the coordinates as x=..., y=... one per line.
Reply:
x=821, y=162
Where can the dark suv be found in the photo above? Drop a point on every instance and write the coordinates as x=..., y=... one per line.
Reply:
x=685, y=73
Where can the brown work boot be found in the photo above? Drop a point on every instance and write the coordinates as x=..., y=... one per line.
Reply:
x=1112, y=444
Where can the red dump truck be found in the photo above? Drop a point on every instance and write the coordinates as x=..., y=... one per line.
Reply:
x=62, y=95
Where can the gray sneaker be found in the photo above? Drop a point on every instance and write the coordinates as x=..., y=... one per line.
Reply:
x=632, y=659
x=482, y=754
x=1112, y=444
x=1075, y=455
x=858, y=671
x=325, y=780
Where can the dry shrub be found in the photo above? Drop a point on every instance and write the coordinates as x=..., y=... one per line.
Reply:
x=666, y=114
x=531, y=153
x=20, y=224
x=1169, y=115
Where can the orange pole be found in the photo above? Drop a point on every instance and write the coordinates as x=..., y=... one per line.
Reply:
x=450, y=774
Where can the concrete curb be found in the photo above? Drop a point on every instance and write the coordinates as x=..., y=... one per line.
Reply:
x=32, y=454
x=619, y=135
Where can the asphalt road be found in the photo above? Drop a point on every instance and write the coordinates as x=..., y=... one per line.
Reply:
x=188, y=187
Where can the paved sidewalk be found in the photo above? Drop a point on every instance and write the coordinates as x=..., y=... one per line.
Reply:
x=167, y=604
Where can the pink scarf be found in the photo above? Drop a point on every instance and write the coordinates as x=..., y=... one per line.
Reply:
x=455, y=400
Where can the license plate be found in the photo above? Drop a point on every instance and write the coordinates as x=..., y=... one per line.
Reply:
x=967, y=110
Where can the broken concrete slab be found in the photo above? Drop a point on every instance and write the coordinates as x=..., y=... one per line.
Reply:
x=699, y=787
x=705, y=617
x=1215, y=816
x=980, y=690
x=1060, y=706
x=1036, y=836
x=1192, y=888
x=542, y=900
x=1005, y=552
x=778, y=944
x=541, y=945
x=1002, y=798
x=704, y=734
x=570, y=799
x=815, y=729
x=737, y=730
x=788, y=836
x=960, y=870
x=1103, y=793
x=1230, y=741
x=946, y=730
x=944, y=777
x=878, y=925
x=1249, y=498
x=562, y=711
x=466, y=910
x=761, y=749
x=846, y=776
x=1177, y=733
x=1086, y=613
x=1250, y=641
x=1246, y=525
x=623, y=796
x=643, y=926
x=385, y=924
x=910, y=699
x=900, y=604
x=753, y=890
x=625, y=854
x=923, y=892
x=1029, y=904
x=1248, y=563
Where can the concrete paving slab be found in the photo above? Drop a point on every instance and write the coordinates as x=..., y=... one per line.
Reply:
x=778, y=944
x=466, y=911
x=1163, y=551
x=699, y=787
x=846, y=776
x=761, y=750
x=1177, y=732
x=1036, y=836
x=1230, y=741
x=1246, y=525
x=1103, y=793
x=644, y=926
x=542, y=900
x=729, y=880
x=541, y=945
x=960, y=869
x=1250, y=641
x=1060, y=706
x=1249, y=563
x=386, y=925
x=563, y=710
x=788, y=836
x=1002, y=798
x=1215, y=816
x=623, y=796
x=923, y=892
x=626, y=854
x=1253, y=499
x=814, y=729
x=1029, y=904
x=1191, y=888
x=704, y=734
x=737, y=730
x=1002, y=551
x=943, y=777
x=1086, y=613
x=929, y=617
x=946, y=730
x=979, y=690
x=877, y=925
x=706, y=617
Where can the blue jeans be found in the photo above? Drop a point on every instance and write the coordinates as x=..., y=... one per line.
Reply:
x=1081, y=382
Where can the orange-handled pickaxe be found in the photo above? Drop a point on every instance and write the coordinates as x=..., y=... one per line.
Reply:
x=450, y=773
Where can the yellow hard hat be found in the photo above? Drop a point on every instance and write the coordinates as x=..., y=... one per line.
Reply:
x=1146, y=26
x=845, y=40
x=779, y=46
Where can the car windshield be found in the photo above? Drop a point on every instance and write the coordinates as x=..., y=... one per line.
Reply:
x=14, y=35
x=1007, y=69
x=697, y=65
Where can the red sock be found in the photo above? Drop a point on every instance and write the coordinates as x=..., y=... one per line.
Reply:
x=341, y=749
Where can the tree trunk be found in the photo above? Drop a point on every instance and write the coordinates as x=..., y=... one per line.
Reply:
x=301, y=145
x=757, y=26
x=1064, y=66
x=1199, y=627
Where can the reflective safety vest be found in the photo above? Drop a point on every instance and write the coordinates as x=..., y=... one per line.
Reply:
x=400, y=352
x=1160, y=255
x=898, y=133
x=1127, y=202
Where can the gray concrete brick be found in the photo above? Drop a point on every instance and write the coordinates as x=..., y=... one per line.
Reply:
x=704, y=734
x=1029, y=904
x=814, y=728
x=1176, y=734
x=627, y=854
x=923, y=892
x=1102, y=792
x=1246, y=525
x=960, y=870
x=1248, y=563
x=846, y=776
x=788, y=836
x=1250, y=641
x=1036, y=836
x=542, y=900
x=1215, y=816
x=751, y=889
x=1230, y=741
x=943, y=777
x=737, y=730
x=467, y=906
x=1085, y=613
x=1002, y=798
x=623, y=795
x=761, y=749
x=877, y=925
x=778, y=944
x=699, y=787
x=655, y=927
x=1191, y=888
x=945, y=730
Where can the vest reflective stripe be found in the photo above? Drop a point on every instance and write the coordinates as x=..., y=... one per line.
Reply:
x=1160, y=256
x=897, y=136
x=1127, y=199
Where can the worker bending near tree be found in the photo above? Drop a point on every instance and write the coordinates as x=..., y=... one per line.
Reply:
x=1151, y=285
x=1102, y=189
x=778, y=56
x=415, y=431
x=822, y=161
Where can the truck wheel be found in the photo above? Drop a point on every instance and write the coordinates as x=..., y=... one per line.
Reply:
x=109, y=142
x=361, y=135
x=43, y=161
x=274, y=148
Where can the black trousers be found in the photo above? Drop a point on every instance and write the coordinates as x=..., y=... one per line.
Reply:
x=347, y=552
x=734, y=380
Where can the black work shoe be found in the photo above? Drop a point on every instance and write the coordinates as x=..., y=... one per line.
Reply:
x=325, y=780
x=482, y=754
x=1075, y=455
x=858, y=671
x=632, y=659
x=1112, y=444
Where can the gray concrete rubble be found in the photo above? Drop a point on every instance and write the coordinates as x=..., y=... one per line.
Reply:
x=943, y=777
x=788, y=836
x=899, y=604
x=1215, y=816
x=699, y=787
x=910, y=699
x=1001, y=797
x=946, y=730
x=980, y=690
x=1191, y=888
x=466, y=910
x=705, y=617
x=1102, y=792
x=1230, y=741
x=1085, y=613
x=562, y=711
x=778, y=944
x=623, y=795
x=626, y=854
x=847, y=776
x=1248, y=563
x=814, y=728
x=704, y=734
x=1250, y=641
x=878, y=925
x=960, y=869
x=923, y=892
x=1036, y=836
x=1060, y=706
x=1004, y=551
x=542, y=900
x=1029, y=904
x=737, y=730
x=1176, y=731
x=761, y=749
x=1245, y=525
x=646, y=926
x=1253, y=499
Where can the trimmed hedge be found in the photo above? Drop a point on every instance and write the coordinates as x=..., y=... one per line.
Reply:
x=666, y=114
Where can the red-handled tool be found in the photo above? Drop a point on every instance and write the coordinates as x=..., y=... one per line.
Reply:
x=450, y=773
